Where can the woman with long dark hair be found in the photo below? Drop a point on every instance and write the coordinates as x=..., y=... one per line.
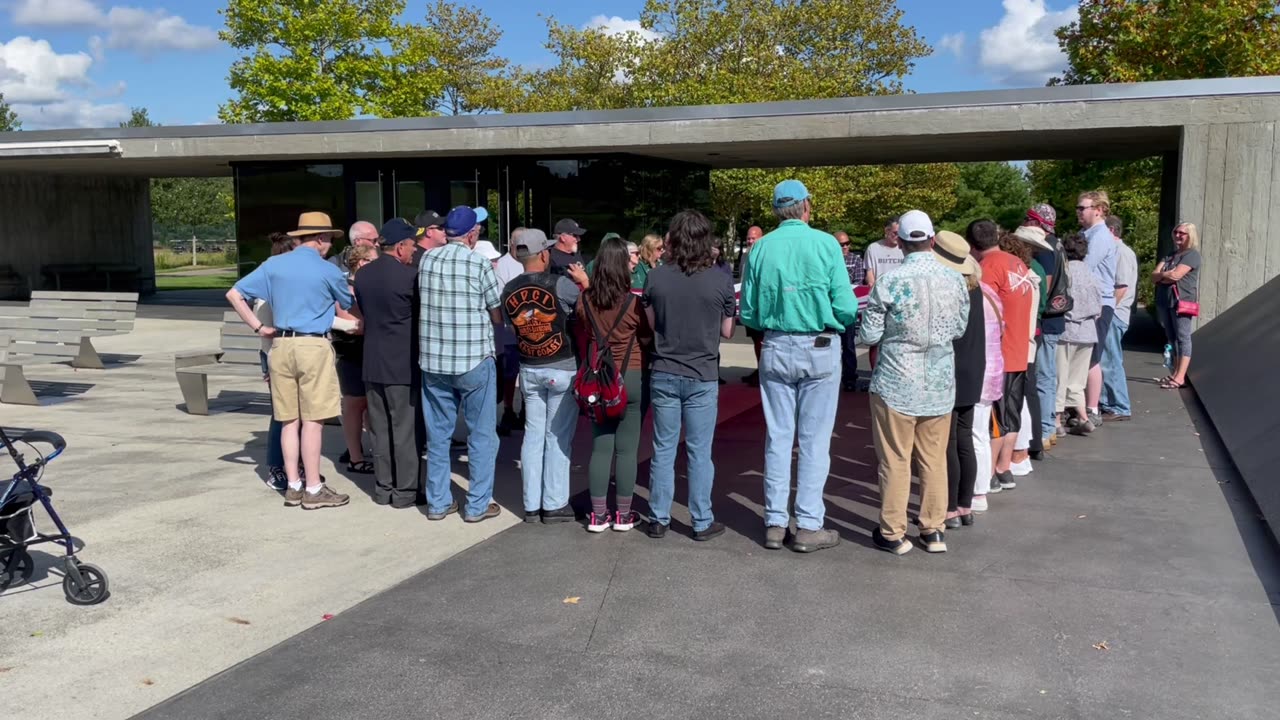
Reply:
x=609, y=301
x=691, y=306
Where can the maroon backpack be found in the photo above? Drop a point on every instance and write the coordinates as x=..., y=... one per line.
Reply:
x=598, y=386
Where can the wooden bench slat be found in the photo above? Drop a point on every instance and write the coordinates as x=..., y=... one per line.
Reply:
x=70, y=295
x=224, y=369
x=126, y=315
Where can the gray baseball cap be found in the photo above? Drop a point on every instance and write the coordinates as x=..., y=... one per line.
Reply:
x=530, y=242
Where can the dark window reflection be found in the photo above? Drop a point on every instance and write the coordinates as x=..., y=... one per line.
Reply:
x=269, y=199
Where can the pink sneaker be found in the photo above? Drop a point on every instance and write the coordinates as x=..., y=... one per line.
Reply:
x=621, y=524
x=597, y=523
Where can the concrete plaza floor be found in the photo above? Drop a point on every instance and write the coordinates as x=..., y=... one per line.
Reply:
x=1128, y=577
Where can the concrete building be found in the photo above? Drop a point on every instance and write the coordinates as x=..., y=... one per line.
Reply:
x=79, y=197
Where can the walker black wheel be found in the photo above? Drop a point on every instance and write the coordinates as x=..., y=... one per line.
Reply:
x=92, y=589
x=16, y=568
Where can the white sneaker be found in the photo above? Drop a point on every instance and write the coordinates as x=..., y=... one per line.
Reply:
x=1022, y=469
x=979, y=504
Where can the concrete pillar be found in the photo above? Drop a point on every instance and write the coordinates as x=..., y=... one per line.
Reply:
x=1229, y=186
x=75, y=220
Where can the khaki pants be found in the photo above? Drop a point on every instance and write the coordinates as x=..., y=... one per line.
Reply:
x=900, y=438
x=304, y=381
x=1073, y=374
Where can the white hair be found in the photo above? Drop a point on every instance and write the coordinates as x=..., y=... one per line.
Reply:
x=632, y=247
x=363, y=230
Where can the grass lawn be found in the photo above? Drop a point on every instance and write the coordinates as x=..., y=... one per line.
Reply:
x=185, y=268
x=199, y=282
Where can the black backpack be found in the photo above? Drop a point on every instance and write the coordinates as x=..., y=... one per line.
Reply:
x=1059, y=302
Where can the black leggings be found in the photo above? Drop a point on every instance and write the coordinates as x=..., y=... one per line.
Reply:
x=1033, y=407
x=962, y=461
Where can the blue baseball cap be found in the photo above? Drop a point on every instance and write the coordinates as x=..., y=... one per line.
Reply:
x=460, y=221
x=481, y=215
x=788, y=193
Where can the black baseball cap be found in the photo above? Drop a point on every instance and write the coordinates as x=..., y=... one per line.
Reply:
x=569, y=227
x=428, y=219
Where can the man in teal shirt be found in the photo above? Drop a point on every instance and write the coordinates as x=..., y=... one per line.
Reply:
x=796, y=291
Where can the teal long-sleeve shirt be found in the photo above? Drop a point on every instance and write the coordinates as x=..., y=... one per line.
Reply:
x=795, y=281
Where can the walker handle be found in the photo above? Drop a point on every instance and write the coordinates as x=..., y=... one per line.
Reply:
x=48, y=438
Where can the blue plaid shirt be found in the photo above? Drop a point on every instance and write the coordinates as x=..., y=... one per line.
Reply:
x=456, y=290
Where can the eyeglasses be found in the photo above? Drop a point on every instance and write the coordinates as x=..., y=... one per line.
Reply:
x=1083, y=207
x=844, y=244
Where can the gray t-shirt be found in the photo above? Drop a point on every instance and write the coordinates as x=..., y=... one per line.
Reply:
x=1188, y=286
x=882, y=259
x=1127, y=277
x=688, y=310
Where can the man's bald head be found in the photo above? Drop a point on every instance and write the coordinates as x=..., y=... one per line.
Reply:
x=363, y=233
x=754, y=233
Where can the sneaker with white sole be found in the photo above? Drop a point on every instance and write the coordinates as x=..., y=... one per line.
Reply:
x=979, y=504
x=324, y=498
x=623, y=524
x=1022, y=469
x=597, y=523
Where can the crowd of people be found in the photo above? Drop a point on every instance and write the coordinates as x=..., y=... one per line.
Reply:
x=986, y=350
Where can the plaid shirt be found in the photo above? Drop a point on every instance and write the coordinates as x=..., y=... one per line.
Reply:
x=857, y=268
x=456, y=289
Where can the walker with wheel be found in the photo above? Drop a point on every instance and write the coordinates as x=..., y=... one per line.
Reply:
x=82, y=583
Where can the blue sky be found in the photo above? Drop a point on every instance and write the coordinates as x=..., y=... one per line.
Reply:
x=69, y=63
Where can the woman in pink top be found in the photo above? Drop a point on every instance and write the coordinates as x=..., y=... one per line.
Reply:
x=992, y=390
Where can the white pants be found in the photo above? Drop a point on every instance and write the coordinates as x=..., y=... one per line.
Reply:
x=1023, y=441
x=982, y=447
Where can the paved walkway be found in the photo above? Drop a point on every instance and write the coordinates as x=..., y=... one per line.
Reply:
x=1128, y=577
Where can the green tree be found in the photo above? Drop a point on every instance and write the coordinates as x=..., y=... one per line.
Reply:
x=1142, y=40
x=308, y=59
x=8, y=118
x=138, y=117
x=992, y=190
x=466, y=59
x=590, y=73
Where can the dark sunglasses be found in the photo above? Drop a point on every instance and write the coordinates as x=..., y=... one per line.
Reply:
x=844, y=244
x=1084, y=207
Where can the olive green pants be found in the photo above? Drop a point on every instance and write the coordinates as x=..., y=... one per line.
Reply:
x=620, y=438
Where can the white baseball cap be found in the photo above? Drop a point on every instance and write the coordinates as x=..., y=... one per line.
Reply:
x=486, y=250
x=915, y=226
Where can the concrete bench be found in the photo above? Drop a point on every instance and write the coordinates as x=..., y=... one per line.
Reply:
x=89, y=315
x=237, y=356
x=20, y=348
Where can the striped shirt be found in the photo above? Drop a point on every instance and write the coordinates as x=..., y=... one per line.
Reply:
x=456, y=290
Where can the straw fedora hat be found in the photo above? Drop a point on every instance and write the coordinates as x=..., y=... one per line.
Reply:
x=315, y=223
x=952, y=251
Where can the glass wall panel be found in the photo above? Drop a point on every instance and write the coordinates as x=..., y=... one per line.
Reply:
x=411, y=198
x=269, y=199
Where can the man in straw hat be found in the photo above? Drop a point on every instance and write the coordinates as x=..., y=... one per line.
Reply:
x=914, y=315
x=302, y=289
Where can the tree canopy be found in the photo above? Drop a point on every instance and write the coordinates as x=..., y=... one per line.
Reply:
x=8, y=118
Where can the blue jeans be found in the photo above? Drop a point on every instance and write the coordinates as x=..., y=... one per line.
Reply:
x=475, y=392
x=275, y=453
x=1047, y=382
x=551, y=417
x=676, y=399
x=1115, y=384
x=799, y=389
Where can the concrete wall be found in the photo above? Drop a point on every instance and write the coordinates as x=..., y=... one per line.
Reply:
x=1233, y=368
x=60, y=219
x=1229, y=186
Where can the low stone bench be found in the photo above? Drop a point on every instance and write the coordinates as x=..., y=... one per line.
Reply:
x=22, y=347
x=236, y=356
x=88, y=315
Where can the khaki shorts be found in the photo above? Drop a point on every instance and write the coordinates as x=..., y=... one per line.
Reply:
x=304, y=382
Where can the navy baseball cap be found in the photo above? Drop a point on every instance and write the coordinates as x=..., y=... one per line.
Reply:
x=461, y=220
x=397, y=230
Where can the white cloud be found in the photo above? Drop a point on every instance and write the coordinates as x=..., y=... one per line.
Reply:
x=1021, y=48
x=129, y=28
x=34, y=73
x=56, y=13
x=75, y=112
x=147, y=30
x=952, y=43
x=617, y=26
x=41, y=86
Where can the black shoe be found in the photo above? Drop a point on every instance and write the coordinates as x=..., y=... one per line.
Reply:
x=753, y=379
x=849, y=386
x=808, y=541
x=345, y=457
x=722, y=381
x=656, y=530
x=562, y=515
x=968, y=520
x=1037, y=455
x=715, y=530
x=952, y=522
x=532, y=516
x=897, y=547
x=510, y=421
x=933, y=542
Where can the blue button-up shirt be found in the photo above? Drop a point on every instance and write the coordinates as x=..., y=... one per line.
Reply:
x=914, y=314
x=1101, y=260
x=301, y=289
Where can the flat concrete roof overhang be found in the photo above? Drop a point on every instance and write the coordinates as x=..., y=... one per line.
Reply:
x=1077, y=122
